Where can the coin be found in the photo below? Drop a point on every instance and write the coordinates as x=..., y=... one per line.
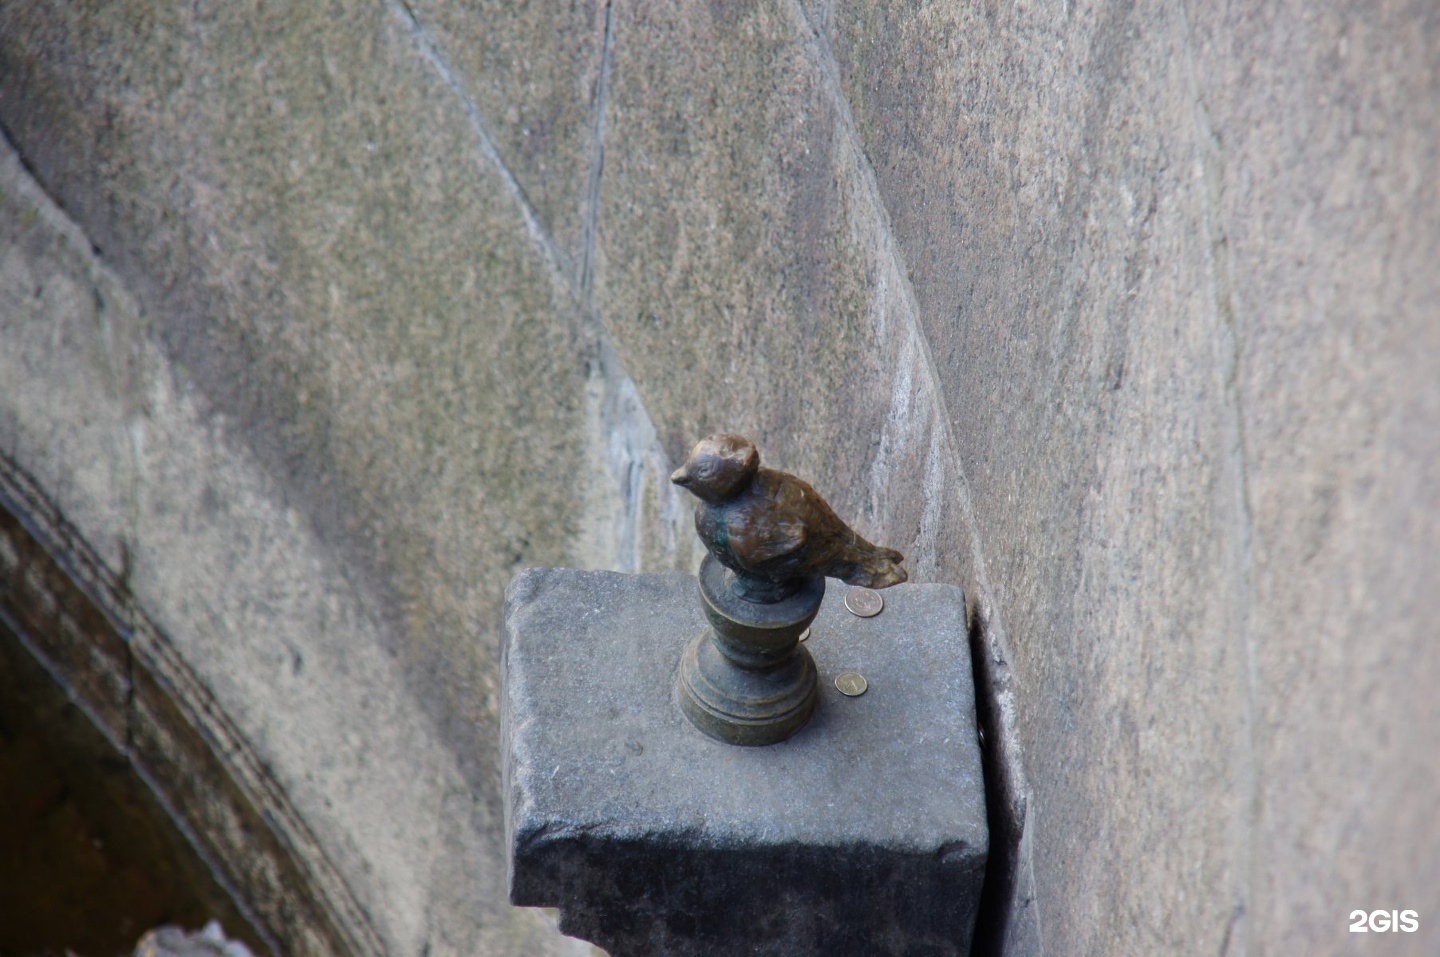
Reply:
x=851, y=683
x=864, y=602
x=805, y=634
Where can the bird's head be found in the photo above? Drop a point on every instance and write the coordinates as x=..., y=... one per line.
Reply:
x=719, y=467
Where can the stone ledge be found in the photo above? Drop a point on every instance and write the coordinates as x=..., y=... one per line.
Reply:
x=864, y=833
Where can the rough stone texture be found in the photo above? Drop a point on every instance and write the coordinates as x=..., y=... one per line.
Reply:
x=1200, y=318
x=290, y=645
x=170, y=941
x=184, y=818
x=1124, y=317
x=863, y=834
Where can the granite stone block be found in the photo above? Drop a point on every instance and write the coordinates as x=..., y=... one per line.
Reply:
x=863, y=834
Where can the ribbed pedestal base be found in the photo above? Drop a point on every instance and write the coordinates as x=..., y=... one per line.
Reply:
x=747, y=680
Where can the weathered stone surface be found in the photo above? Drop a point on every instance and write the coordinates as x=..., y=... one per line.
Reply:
x=539, y=98
x=313, y=657
x=171, y=941
x=744, y=296
x=1123, y=317
x=1069, y=225
x=865, y=833
x=1194, y=314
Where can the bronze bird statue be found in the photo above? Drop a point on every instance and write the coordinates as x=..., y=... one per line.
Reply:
x=771, y=528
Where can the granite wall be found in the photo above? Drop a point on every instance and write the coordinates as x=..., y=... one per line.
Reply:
x=320, y=320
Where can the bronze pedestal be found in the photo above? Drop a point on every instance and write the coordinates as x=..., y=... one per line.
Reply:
x=747, y=680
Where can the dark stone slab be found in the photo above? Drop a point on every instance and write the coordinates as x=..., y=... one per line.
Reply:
x=863, y=834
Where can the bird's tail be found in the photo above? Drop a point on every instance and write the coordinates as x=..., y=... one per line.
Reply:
x=873, y=567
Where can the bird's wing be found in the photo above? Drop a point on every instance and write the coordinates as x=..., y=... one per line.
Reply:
x=779, y=538
x=785, y=527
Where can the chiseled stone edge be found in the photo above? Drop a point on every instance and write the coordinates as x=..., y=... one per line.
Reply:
x=622, y=884
x=80, y=621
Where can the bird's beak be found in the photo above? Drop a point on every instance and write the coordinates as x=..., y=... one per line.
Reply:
x=680, y=477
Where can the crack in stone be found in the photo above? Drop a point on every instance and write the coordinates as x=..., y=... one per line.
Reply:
x=148, y=652
x=992, y=663
x=559, y=264
x=1210, y=159
x=597, y=160
x=628, y=420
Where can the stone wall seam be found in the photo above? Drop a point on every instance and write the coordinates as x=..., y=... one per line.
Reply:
x=995, y=663
x=147, y=647
x=1210, y=162
x=591, y=212
x=555, y=258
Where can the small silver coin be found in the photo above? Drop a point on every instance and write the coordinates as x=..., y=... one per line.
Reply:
x=805, y=634
x=851, y=683
x=864, y=602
